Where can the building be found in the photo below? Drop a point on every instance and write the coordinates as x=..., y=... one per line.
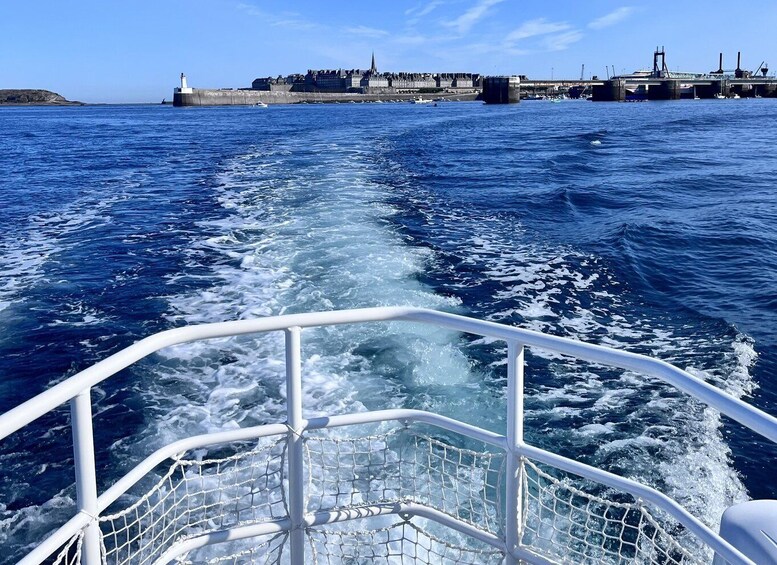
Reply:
x=412, y=81
x=372, y=81
x=458, y=80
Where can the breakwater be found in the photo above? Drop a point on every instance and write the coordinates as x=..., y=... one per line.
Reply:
x=502, y=90
x=215, y=97
x=619, y=89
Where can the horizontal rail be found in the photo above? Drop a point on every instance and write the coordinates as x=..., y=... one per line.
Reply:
x=48, y=400
x=223, y=536
x=167, y=452
x=738, y=410
x=409, y=415
x=330, y=517
x=734, y=408
x=205, y=440
x=56, y=540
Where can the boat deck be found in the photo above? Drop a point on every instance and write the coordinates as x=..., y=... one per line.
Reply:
x=389, y=486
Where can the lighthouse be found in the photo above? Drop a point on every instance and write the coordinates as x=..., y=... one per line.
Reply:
x=184, y=89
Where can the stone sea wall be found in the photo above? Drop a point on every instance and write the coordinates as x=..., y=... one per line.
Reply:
x=208, y=97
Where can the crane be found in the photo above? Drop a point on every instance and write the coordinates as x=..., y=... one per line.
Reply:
x=763, y=67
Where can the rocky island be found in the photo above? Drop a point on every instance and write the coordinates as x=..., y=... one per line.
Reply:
x=34, y=97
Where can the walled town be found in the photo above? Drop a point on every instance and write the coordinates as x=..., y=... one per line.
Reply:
x=367, y=81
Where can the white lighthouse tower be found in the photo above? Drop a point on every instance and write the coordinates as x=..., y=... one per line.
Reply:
x=184, y=86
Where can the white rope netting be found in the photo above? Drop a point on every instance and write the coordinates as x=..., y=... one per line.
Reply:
x=195, y=497
x=564, y=518
x=405, y=465
x=400, y=543
x=70, y=554
x=567, y=524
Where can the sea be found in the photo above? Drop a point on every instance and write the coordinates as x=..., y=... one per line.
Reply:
x=647, y=227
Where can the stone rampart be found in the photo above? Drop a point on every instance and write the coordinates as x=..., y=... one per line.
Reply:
x=208, y=97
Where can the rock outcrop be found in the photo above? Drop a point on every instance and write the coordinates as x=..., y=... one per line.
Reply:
x=34, y=97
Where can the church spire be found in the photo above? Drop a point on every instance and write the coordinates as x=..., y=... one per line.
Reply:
x=373, y=68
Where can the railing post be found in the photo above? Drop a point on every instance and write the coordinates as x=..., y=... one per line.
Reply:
x=86, y=475
x=295, y=446
x=513, y=495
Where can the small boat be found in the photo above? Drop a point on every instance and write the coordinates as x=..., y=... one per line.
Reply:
x=736, y=96
x=719, y=96
x=420, y=100
x=260, y=105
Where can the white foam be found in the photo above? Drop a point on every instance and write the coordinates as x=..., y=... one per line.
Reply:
x=315, y=240
x=564, y=292
x=24, y=255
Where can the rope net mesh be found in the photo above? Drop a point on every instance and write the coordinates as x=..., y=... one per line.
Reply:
x=406, y=465
x=565, y=518
x=403, y=542
x=565, y=523
x=196, y=496
x=70, y=554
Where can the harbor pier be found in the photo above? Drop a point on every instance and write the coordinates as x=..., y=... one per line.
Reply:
x=664, y=90
x=618, y=89
x=609, y=90
x=501, y=90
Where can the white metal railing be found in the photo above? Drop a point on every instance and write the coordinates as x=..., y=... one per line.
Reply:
x=76, y=390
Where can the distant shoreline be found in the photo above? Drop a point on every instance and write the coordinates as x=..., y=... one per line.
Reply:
x=34, y=97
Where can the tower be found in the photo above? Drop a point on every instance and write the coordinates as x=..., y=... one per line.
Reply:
x=373, y=68
x=185, y=88
x=663, y=70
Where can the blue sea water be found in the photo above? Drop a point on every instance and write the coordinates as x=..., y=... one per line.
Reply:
x=648, y=227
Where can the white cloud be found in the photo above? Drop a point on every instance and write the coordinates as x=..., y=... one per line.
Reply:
x=289, y=20
x=532, y=28
x=367, y=31
x=250, y=10
x=469, y=18
x=294, y=23
x=495, y=49
x=422, y=10
x=612, y=18
x=416, y=39
x=561, y=41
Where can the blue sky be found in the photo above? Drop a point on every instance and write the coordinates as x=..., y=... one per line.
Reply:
x=134, y=50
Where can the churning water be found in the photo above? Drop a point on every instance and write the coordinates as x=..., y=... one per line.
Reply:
x=648, y=227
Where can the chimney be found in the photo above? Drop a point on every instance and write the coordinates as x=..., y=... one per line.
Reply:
x=720, y=67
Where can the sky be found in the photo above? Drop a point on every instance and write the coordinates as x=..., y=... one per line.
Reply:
x=118, y=51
